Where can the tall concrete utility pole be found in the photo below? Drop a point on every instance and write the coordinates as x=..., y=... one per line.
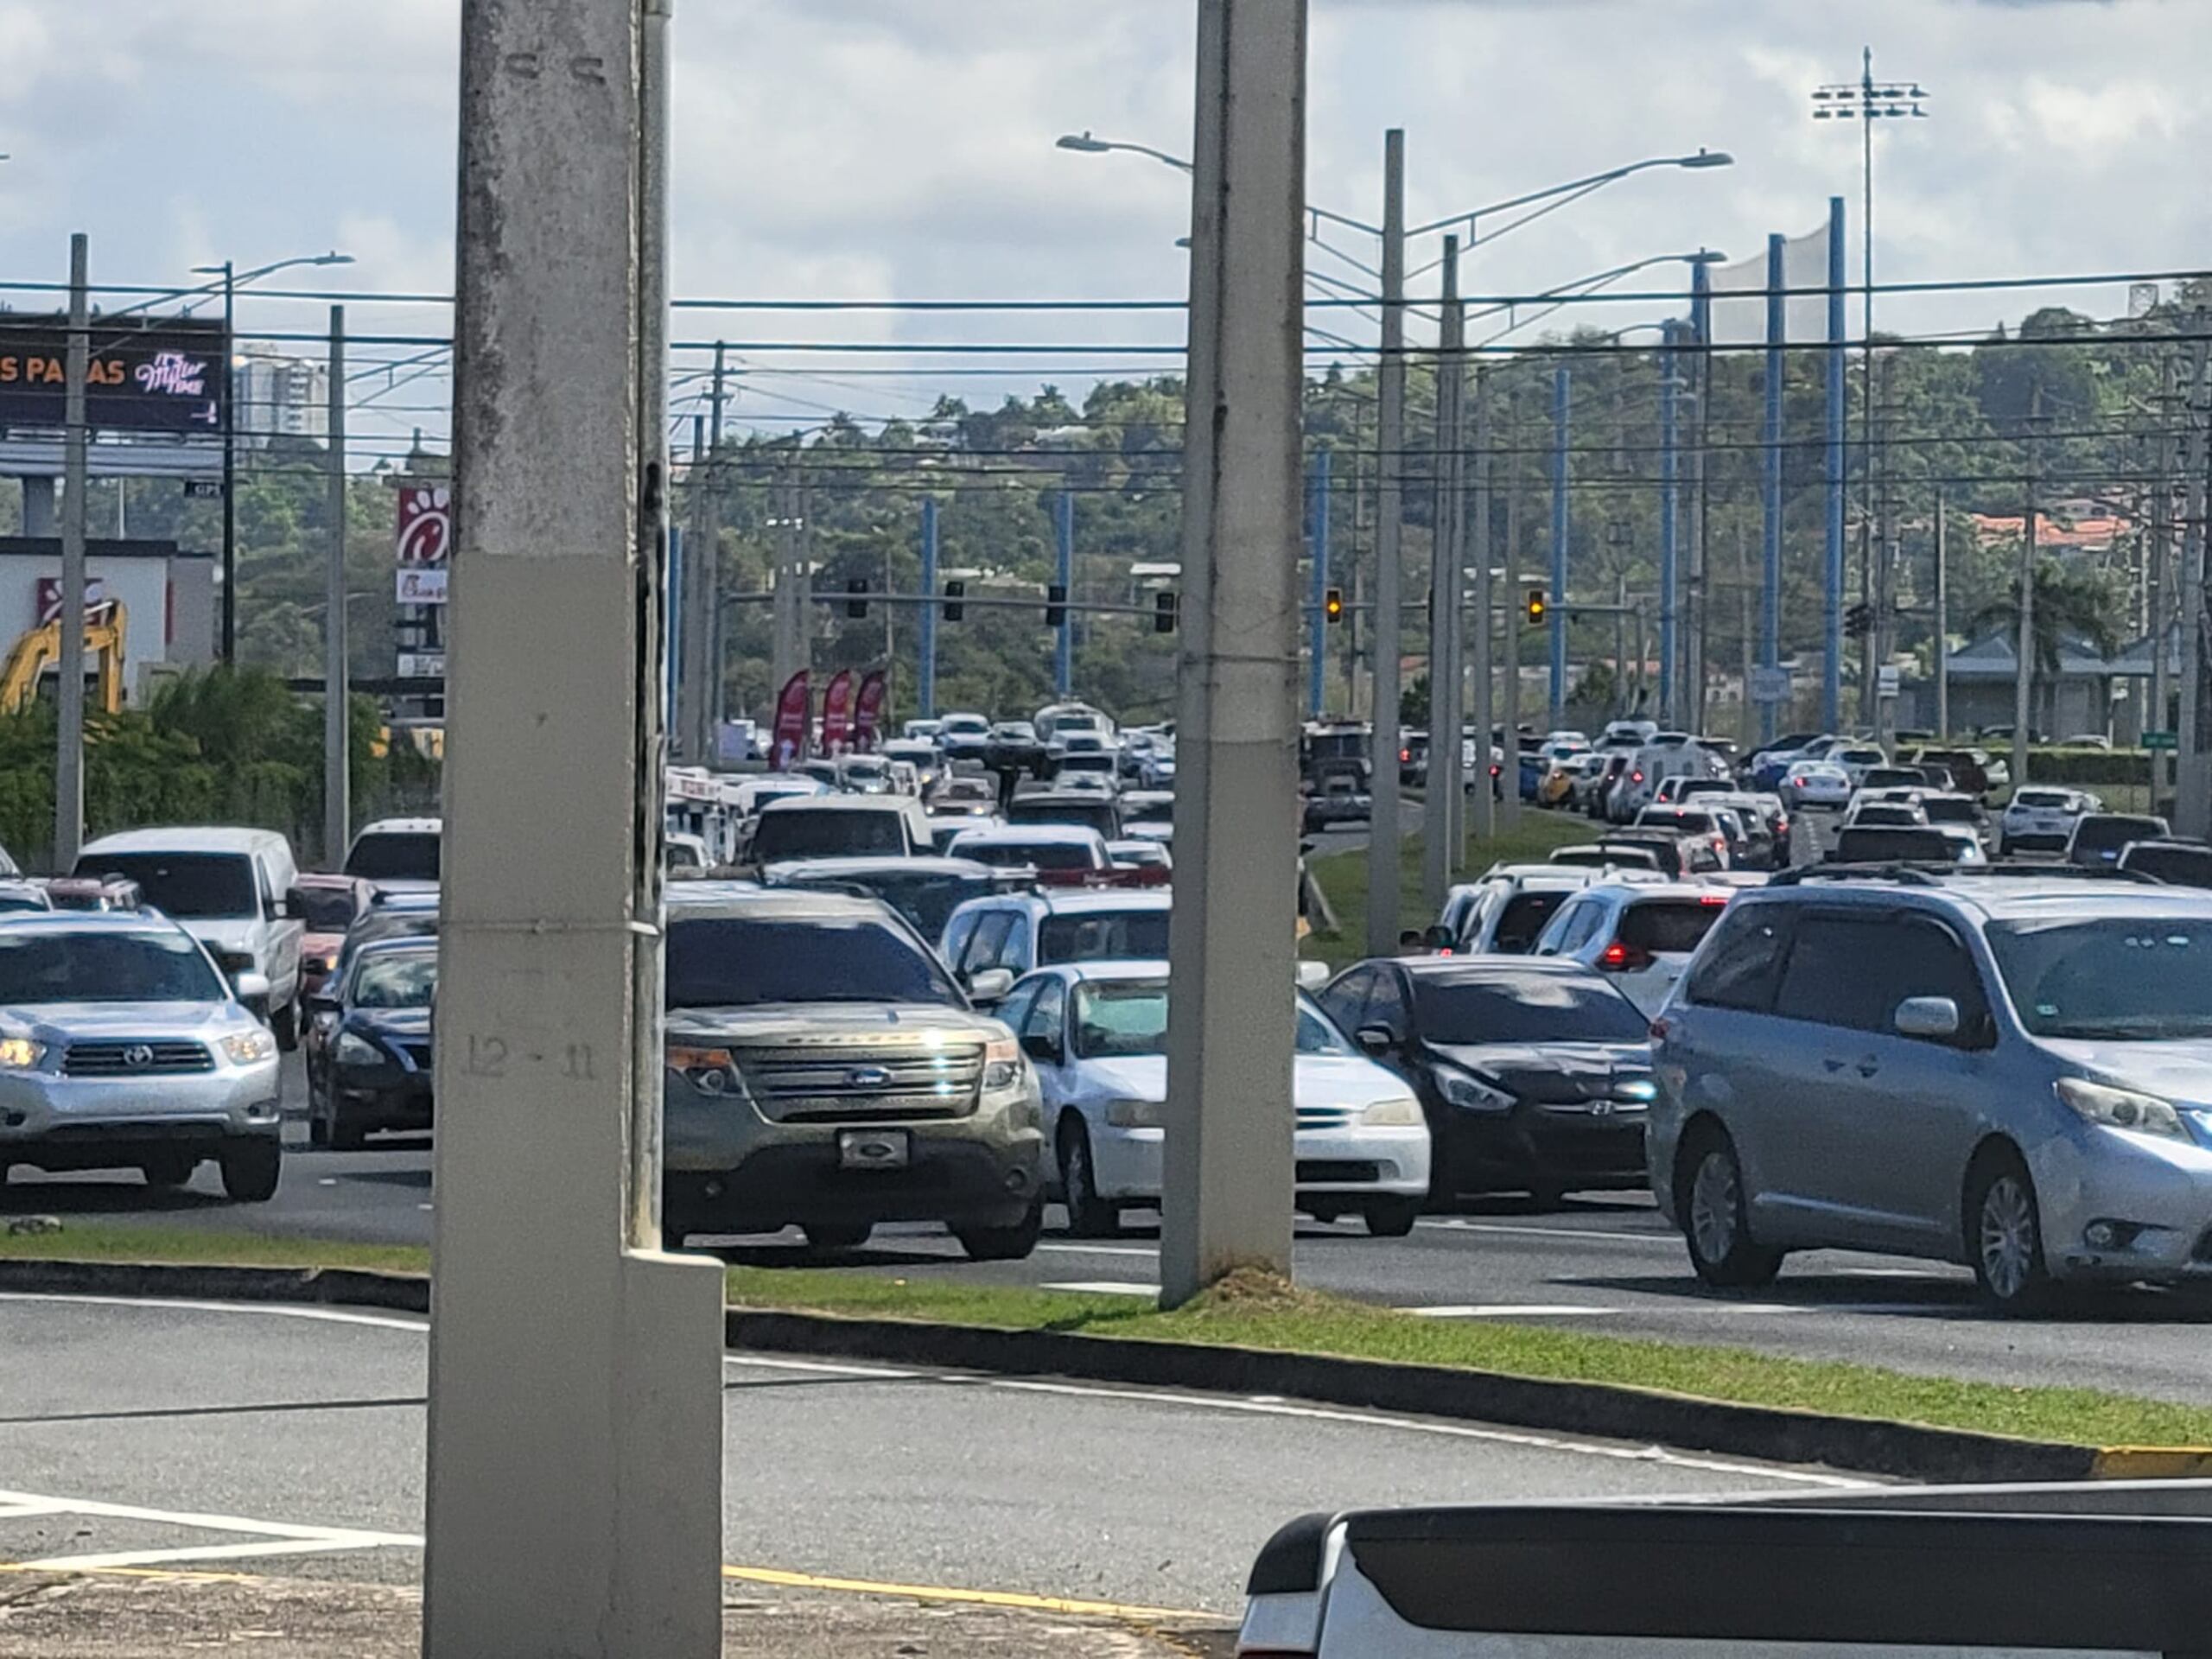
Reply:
x=1562, y=388
x=1942, y=618
x=1389, y=525
x=2192, y=776
x=1697, y=623
x=695, y=613
x=925, y=625
x=337, y=757
x=787, y=649
x=76, y=505
x=580, y=1515
x=1476, y=538
x=2025, y=642
x=1231, y=946
x=1441, y=806
x=2158, y=585
x=718, y=612
x=1770, y=480
x=1509, y=777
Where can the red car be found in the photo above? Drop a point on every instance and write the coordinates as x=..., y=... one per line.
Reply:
x=332, y=903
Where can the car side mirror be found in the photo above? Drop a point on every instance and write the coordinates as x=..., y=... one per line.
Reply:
x=989, y=984
x=1311, y=975
x=1932, y=1017
x=292, y=906
x=1375, y=1041
x=250, y=988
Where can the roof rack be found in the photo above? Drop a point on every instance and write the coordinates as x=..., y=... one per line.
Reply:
x=1909, y=875
x=1928, y=874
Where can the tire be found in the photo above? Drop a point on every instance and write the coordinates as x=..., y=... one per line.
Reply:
x=284, y=1024
x=169, y=1171
x=252, y=1170
x=342, y=1134
x=1547, y=1196
x=317, y=1126
x=2004, y=1236
x=1716, y=1224
x=836, y=1236
x=1089, y=1215
x=1013, y=1244
x=1392, y=1218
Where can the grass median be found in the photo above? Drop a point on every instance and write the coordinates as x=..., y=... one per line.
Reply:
x=1279, y=1318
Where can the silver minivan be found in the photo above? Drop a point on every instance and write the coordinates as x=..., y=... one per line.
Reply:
x=2011, y=1073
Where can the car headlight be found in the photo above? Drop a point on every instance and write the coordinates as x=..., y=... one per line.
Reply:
x=1401, y=1112
x=1471, y=1093
x=2121, y=1109
x=1638, y=1089
x=1136, y=1114
x=356, y=1051
x=1001, y=1064
x=318, y=964
x=244, y=1047
x=710, y=1070
x=20, y=1053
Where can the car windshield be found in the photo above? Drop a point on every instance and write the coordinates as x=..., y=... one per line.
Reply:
x=1115, y=1019
x=1034, y=855
x=397, y=980
x=1527, y=1007
x=1957, y=810
x=2128, y=979
x=103, y=967
x=2110, y=834
x=396, y=856
x=1672, y=925
x=2181, y=867
x=798, y=832
x=927, y=899
x=1525, y=918
x=327, y=910
x=1084, y=815
x=192, y=886
x=1104, y=935
x=719, y=962
x=2045, y=798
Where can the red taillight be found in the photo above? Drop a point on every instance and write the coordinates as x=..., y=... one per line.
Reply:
x=1618, y=958
x=1635, y=777
x=1614, y=956
x=1714, y=898
x=1404, y=755
x=1720, y=843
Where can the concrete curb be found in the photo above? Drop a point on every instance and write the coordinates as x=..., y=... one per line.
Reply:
x=1608, y=1411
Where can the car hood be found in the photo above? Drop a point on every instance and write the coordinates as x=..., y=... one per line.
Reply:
x=1551, y=1072
x=220, y=932
x=389, y=1022
x=57, y=1022
x=2179, y=1071
x=830, y=1022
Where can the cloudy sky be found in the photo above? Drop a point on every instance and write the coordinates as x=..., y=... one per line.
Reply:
x=871, y=149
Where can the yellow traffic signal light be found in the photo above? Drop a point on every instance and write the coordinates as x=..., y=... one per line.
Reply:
x=1535, y=607
x=1332, y=604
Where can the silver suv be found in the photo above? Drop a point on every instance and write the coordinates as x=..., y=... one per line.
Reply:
x=825, y=1071
x=121, y=1047
x=2014, y=1072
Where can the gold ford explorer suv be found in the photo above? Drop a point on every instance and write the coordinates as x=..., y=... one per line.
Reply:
x=825, y=1072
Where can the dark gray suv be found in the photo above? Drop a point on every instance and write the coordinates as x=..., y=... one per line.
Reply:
x=2011, y=1073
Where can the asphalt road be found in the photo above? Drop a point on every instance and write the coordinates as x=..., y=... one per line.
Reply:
x=291, y=1440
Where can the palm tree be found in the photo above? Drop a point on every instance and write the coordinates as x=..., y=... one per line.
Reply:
x=2072, y=604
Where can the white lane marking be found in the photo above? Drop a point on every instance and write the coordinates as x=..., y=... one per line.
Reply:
x=272, y=1310
x=1104, y=1288
x=1461, y=1224
x=1512, y=1311
x=1450, y=1431
x=320, y=1546
x=818, y=1367
x=1147, y=1251
x=37, y=1507
x=251, y=1537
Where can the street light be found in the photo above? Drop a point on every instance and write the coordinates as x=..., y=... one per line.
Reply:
x=231, y=281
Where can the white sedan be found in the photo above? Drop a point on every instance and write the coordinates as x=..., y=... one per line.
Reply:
x=1814, y=783
x=1097, y=1032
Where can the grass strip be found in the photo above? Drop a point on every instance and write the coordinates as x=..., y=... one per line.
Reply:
x=1277, y=1318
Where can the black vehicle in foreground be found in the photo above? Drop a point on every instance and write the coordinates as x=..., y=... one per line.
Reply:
x=368, y=1046
x=1534, y=1074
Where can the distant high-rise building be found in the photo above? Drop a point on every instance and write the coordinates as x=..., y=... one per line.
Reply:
x=279, y=396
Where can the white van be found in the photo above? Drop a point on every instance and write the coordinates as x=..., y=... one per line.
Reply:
x=396, y=852
x=233, y=890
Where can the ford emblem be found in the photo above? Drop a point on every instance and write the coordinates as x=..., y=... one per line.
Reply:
x=867, y=1077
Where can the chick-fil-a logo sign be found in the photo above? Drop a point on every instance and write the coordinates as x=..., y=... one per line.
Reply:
x=425, y=523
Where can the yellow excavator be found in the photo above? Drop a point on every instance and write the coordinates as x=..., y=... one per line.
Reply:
x=40, y=648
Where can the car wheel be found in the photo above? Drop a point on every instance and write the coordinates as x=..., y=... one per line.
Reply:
x=1392, y=1218
x=2004, y=1236
x=837, y=1236
x=1013, y=1244
x=1716, y=1223
x=317, y=1126
x=251, y=1169
x=171, y=1169
x=284, y=1024
x=1089, y=1215
x=341, y=1134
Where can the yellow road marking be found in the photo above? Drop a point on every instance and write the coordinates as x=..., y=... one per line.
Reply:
x=972, y=1598
x=173, y=1575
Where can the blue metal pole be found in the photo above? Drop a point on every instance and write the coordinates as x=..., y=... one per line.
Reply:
x=928, y=665
x=1064, y=658
x=1670, y=505
x=1562, y=387
x=1318, y=536
x=1770, y=578
x=1832, y=647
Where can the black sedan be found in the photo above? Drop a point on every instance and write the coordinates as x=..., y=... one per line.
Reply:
x=1534, y=1074
x=368, y=1046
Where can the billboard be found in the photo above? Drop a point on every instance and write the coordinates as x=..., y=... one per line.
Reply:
x=425, y=529
x=420, y=585
x=146, y=374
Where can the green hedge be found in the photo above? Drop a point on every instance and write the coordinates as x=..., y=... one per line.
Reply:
x=2087, y=767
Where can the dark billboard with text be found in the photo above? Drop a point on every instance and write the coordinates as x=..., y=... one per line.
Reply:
x=155, y=374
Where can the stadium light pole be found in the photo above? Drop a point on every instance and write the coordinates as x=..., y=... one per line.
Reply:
x=233, y=280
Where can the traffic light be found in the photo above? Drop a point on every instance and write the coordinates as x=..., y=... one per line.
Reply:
x=856, y=596
x=1332, y=604
x=1164, y=604
x=953, y=592
x=1056, y=607
x=1859, y=621
x=1535, y=606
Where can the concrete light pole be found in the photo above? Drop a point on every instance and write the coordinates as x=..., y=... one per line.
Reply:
x=1484, y=677
x=1440, y=808
x=1229, y=1169
x=1389, y=525
x=69, y=767
x=574, y=1492
x=337, y=796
